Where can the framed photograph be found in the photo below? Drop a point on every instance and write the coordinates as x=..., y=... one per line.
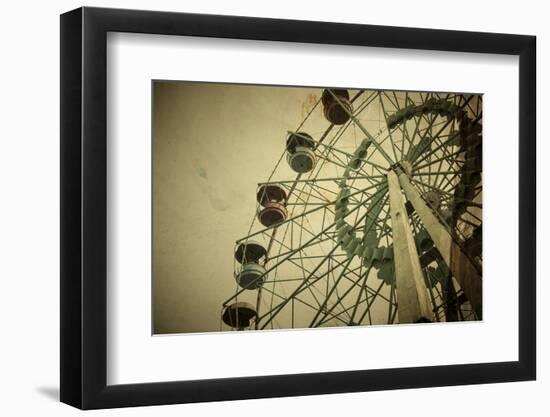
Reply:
x=257, y=208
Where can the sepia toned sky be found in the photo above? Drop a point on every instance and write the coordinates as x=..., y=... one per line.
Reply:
x=212, y=144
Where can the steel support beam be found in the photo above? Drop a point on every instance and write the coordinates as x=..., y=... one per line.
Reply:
x=460, y=265
x=413, y=303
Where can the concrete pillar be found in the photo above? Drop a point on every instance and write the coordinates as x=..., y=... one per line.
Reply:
x=460, y=265
x=412, y=295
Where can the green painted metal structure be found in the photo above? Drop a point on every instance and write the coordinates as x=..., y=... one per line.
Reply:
x=380, y=224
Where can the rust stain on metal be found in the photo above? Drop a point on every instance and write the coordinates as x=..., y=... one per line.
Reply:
x=309, y=103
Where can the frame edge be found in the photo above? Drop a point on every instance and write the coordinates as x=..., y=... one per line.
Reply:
x=71, y=376
x=83, y=198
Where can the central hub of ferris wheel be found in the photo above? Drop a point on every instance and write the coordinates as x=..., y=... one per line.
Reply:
x=407, y=167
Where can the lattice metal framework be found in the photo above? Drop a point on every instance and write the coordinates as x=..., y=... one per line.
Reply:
x=329, y=260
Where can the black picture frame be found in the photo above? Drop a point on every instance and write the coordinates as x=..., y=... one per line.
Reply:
x=84, y=207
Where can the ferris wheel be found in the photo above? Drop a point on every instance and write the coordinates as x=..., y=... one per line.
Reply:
x=375, y=219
